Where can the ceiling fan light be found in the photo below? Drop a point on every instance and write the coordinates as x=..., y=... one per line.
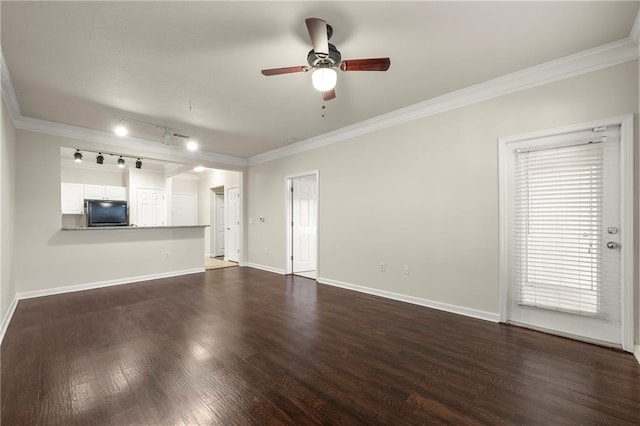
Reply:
x=324, y=79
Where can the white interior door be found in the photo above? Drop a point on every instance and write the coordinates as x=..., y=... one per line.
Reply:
x=184, y=209
x=304, y=208
x=232, y=251
x=564, y=250
x=150, y=207
x=220, y=225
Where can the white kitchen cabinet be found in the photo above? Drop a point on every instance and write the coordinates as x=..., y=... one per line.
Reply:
x=102, y=192
x=72, y=198
x=116, y=193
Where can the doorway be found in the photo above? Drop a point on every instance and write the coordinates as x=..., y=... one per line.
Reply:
x=566, y=232
x=302, y=225
x=218, y=223
x=232, y=244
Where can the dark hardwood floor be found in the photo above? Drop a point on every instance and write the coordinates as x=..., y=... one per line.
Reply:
x=243, y=346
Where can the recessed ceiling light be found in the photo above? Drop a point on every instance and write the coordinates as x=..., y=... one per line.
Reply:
x=121, y=130
x=198, y=169
x=192, y=145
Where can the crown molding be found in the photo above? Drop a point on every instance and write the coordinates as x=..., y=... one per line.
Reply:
x=635, y=30
x=8, y=92
x=132, y=144
x=580, y=63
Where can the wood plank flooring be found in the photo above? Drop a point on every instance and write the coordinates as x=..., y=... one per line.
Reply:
x=241, y=346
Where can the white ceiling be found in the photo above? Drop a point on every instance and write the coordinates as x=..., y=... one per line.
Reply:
x=87, y=63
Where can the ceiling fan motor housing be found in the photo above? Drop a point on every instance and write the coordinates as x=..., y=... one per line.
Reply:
x=334, y=58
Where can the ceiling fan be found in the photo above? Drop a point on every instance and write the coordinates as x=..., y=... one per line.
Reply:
x=324, y=57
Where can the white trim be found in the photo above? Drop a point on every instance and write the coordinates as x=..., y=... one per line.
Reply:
x=8, y=91
x=288, y=218
x=263, y=267
x=109, y=283
x=580, y=63
x=626, y=215
x=635, y=30
x=455, y=309
x=7, y=317
x=627, y=235
x=637, y=353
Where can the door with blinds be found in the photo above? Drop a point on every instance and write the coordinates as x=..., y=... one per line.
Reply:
x=563, y=234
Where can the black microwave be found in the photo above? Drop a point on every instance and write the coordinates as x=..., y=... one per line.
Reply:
x=106, y=213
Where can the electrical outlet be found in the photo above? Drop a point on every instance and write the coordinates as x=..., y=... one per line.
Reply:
x=406, y=269
x=167, y=254
x=383, y=267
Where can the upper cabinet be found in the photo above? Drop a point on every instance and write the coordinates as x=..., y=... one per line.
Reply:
x=72, y=201
x=74, y=194
x=102, y=192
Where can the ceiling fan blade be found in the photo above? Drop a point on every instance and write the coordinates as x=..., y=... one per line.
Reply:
x=375, y=64
x=286, y=70
x=329, y=94
x=318, y=34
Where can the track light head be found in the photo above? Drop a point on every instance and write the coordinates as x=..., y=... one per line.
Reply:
x=138, y=163
x=121, y=162
x=77, y=156
x=100, y=158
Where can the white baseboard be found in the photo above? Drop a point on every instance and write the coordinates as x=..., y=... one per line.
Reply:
x=7, y=318
x=637, y=353
x=460, y=310
x=100, y=284
x=264, y=268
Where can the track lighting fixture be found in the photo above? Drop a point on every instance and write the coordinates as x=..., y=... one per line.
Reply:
x=77, y=156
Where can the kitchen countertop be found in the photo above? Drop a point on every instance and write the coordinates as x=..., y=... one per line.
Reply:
x=110, y=228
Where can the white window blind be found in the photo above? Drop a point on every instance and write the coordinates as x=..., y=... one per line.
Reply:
x=558, y=227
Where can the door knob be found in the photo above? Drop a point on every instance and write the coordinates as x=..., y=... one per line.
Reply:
x=613, y=245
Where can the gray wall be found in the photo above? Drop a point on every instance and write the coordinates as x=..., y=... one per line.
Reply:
x=7, y=209
x=46, y=257
x=424, y=193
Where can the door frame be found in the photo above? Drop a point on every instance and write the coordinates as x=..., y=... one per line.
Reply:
x=626, y=216
x=227, y=234
x=288, y=180
x=214, y=192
